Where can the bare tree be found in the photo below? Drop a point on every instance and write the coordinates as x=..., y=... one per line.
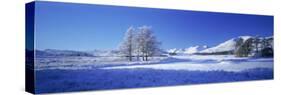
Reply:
x=127, y=46
x=245, y=48
x=140, y=43
x=256, y=43
x=147, y=44
x=238, y=45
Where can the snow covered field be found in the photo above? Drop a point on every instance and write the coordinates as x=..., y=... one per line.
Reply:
x=206, y=63
x=59, y=74
x=183, y=62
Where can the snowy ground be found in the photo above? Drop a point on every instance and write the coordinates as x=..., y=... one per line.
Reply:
x=206, y=63
x=184, y=62
x=78, y=63
x=99, y=73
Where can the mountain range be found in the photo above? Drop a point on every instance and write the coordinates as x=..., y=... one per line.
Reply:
x=226, y=46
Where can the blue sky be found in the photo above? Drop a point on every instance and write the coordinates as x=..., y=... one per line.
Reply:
x=89, y=27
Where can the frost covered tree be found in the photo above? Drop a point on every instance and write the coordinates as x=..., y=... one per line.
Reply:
x=138, y=45
x=147, y=44
x=256, y=43
x=127, y=46
x=267, y=47
x=238, y=44
x=255, y=46
x=244, y=48
x=139, y=42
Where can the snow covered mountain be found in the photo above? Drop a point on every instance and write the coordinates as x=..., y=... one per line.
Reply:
x=104, y=52
x=194, y=49
x=190, y=50
x=55, y=52
x=227, y=46
x=175, y=50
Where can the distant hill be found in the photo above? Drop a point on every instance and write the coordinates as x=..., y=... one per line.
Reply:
x=55, y=52
x=226, y=47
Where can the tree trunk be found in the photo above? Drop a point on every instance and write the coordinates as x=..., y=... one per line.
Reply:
x=138, y=57
x=130, y=58
x=146, y=57
x=142, y=57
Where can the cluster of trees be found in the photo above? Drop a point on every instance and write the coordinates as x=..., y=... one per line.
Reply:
x=140, y=43
x=256, y=46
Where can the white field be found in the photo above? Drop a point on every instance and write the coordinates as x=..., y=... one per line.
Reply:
x=208, y=63
x=183, y=62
